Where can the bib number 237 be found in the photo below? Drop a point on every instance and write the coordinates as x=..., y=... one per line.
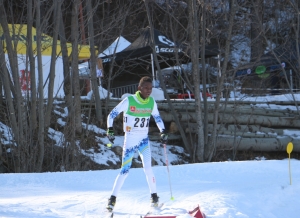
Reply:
x=141, y=122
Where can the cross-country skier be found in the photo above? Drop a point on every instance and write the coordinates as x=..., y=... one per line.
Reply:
x=137, y=110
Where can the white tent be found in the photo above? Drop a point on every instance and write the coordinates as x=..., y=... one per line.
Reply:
x=18, y=32
x=118, y=45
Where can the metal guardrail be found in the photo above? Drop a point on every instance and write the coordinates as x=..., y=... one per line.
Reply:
x=121, y=90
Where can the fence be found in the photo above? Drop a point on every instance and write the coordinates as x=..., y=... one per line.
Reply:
x=119, y=91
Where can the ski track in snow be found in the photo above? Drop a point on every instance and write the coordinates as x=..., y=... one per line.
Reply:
x=242, y=189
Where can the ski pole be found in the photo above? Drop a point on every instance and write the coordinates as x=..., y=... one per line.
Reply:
x=289, y=150
x=167, y=164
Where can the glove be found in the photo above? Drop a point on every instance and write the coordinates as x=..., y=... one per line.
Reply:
x=110, y=134
x=164, y=137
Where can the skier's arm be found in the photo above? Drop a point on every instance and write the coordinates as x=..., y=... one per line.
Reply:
x=157, y=118
x=122, y=106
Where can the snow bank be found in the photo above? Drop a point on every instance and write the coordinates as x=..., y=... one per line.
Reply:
x=102, y=92
x=157, y=94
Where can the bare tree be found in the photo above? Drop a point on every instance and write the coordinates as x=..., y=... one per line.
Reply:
x=213, y=139
x=193, y=31
x=67, y=86
x=90, y=14
x=7, y=93
x=33, y=115
x=256, y=30
x=114, y=20
x=194, y=23
x=40, y=89
x=52, y=64
x=186, y=144
x=75, y=74
x=17, y=122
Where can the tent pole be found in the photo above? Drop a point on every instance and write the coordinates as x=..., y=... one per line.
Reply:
x=152, y=66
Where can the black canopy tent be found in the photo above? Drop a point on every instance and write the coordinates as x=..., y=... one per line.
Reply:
x=137, y=58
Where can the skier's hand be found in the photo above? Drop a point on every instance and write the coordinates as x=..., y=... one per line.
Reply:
x=110, y=134
x=164, y=137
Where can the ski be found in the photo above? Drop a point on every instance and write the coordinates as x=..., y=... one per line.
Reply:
x=110, y=214
x=154, y=210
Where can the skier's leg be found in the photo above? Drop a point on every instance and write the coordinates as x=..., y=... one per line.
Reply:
x=118, y=183
x=128, y=152
x=145, y=154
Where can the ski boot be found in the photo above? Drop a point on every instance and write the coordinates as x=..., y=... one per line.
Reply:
x=154, y=200
x=111, y=203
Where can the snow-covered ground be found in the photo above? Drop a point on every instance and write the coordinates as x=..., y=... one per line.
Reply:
x=258, y=188
x=222, y=190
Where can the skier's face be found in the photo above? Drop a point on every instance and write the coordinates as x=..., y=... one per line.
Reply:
x=145, y=89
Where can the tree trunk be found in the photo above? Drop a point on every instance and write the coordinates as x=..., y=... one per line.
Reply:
x=213, y=139
x=52, y=66
x=40, y=156
x=111, y=66
x=9, y=100
x=75, y=125
x=230, y=129
x=13, y=63
x=95, y=87
x=75, y=73
x=33, y=115
x=31, y=99
x=203, y=70
x=257, y=48
x=67, y=86
x=257, y=144
x=68, y=89
x=194, y=43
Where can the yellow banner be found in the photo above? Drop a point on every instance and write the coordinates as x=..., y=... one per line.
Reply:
x=18, y=33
